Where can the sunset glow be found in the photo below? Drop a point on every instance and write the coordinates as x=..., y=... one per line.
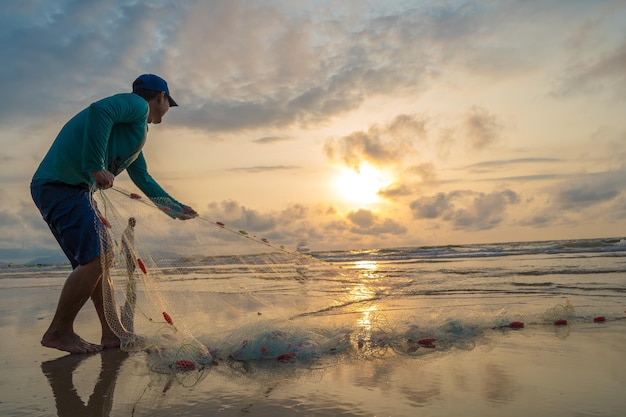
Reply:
x=351, y=125
x=361, y=186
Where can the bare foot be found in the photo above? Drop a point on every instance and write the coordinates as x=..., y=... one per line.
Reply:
x=68, y=342
x=110, y=340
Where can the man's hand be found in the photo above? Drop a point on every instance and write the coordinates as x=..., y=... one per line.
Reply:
x=103, y=178
x=187, y=213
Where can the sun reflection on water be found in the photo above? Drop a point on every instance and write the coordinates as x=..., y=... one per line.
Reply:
x=370, y=335
x=367, y=265
x=366, y=319
x=361, y=292
x=367, y=269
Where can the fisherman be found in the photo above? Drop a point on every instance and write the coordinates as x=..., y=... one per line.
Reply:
x=92, y=148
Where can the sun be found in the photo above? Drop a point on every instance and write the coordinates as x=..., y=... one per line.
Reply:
x=361, y=186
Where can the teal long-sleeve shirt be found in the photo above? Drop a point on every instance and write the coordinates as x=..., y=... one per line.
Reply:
x=107, y=135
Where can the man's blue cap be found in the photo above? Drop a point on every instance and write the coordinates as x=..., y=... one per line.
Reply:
x=155, y=83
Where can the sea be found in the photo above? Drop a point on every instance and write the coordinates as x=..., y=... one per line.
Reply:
x=520, y=277
x=485, y=285
x=481, y=329
x=590, y=273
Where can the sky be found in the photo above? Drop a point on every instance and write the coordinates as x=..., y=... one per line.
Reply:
x=338, y=124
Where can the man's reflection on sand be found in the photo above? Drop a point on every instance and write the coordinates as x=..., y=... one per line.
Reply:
x=69, y=404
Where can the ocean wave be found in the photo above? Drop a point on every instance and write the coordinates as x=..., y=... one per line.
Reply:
x=602, y=247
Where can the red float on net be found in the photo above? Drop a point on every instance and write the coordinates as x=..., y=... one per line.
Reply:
x=167, y=318
x=105, y=221
x=427, y=343
x=286, y=357
x=142, y=266
x=185, y=364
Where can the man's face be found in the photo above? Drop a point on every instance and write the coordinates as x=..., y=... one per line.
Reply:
x=158, y=107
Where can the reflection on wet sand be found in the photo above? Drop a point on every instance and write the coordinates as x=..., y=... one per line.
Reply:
x=499, y=386
x=60, y=373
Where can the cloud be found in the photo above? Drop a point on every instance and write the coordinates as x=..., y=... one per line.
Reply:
x=524, y=178
x=241, y=65
x=260, y=168
x=24, y=233
x=407, y=136
x=543, y=219
x=408, y=128
x=232, y=65
x=582, y=198
x=88, y=50
x=298, y=222
x=466, y=209
x=279, y=69
x=432, y=207
x=487, y=166
x=409, y=180
x=426, y=171
x=395, y=190
x=481, y=128
x=379, y=145
x=605, y=72
x=239, y=216
x=294, y=212
x=584, y=195
x=618, y=209
x=584, y=191
x=288, y=225
x=361, y=146
x=272, y=139
x=500, y=166
x=365, y=222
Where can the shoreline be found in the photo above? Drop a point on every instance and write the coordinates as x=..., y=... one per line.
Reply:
x=538, y=370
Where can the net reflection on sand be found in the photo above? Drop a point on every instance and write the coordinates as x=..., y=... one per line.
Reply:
x=501, y=375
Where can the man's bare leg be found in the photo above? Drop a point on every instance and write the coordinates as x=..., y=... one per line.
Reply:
x=109, y=337
x=78, y=287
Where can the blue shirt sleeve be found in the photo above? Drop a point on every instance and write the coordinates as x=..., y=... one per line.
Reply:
x=138, y=172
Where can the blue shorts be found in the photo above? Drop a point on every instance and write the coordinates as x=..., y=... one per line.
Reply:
x=73, y=218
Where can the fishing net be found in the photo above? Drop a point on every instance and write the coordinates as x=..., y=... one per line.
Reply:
x=196, y=293
x=192, y=292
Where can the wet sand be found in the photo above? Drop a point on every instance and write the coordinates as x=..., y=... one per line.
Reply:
x=540, y=370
